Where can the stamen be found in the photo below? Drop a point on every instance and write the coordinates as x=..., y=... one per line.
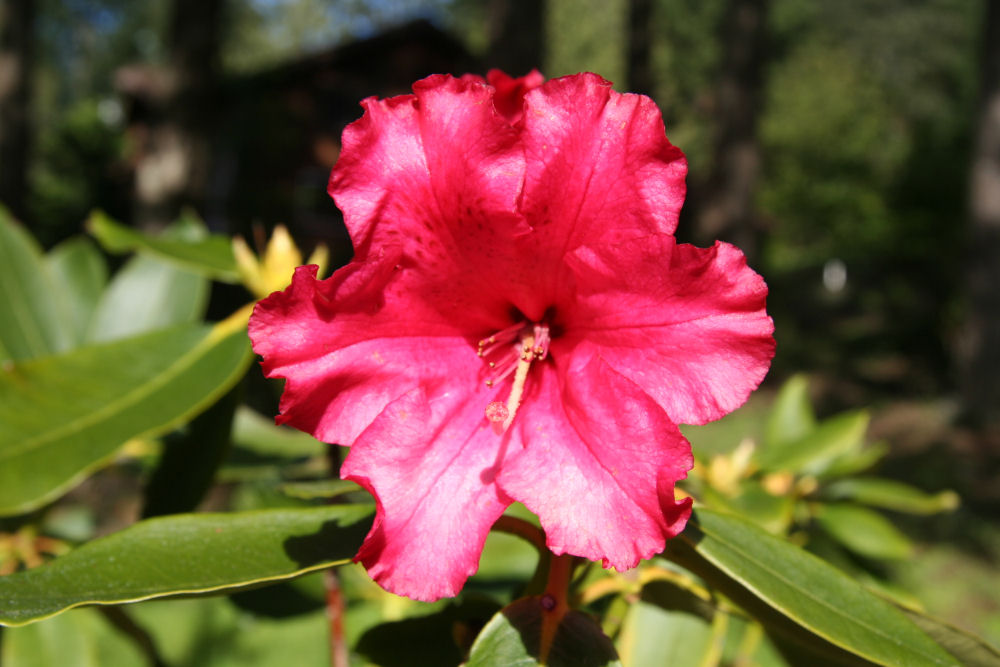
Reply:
x=512, y=351
x=500, y=339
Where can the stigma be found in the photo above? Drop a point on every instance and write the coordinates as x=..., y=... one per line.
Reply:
x=511, y=351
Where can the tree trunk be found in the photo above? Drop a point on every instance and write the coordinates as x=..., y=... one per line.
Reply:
x=979, y=344
x=172, y=172
x=640, y=60
x=723, y=203
x=16, y=51
x=517, y=35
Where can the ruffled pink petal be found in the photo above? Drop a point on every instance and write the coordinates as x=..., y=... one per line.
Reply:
x=686, y=324
x=351, y=344
x=437, y=173
x=596, y=459
x=510, y=91
x=596, y=161
x=429, y=460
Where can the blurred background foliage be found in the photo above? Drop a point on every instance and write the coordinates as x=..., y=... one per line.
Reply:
x=833, y=141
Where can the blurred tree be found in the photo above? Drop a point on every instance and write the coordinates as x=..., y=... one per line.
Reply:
x=172, y=170
x=586, y=35
x=979, y=347
x=17, y=30
x=517, y=35
x=723, y=203
x=640, y=39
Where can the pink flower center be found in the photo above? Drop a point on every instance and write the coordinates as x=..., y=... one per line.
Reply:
x=512, y=351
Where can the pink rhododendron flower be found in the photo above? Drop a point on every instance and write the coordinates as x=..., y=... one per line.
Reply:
x=518, y=323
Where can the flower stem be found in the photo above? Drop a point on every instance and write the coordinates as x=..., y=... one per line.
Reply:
x=555, y=601
x=523, y=529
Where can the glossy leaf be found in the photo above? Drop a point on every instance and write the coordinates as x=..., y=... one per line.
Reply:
x=62, y=416
x=145, y=295
x=891, y=495
x=814, y=452
x=863, y=531
x=186, y=554
x=209, y=255
x=31, y=323
x=513, y=635
x=80, y=275
x=791, y=416
x=800, y=594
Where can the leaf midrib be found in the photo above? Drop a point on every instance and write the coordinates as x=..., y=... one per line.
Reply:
x=118, y=405
x=808, y=594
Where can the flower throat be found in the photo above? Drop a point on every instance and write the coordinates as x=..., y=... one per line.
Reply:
x=512, y=351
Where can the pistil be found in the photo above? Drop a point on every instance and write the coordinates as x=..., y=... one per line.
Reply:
x=504, y=357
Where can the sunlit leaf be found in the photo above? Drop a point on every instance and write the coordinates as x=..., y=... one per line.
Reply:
x=863, y=531
x=31, y=323
x=186, y=554
x=800, y=595
x=80, y=275
x=814, y=452
x=145, y=295
x=62, y=416
x=891, y=495
x=81, y=638
x=652, y=635
x=209, y=255
x=791, y=416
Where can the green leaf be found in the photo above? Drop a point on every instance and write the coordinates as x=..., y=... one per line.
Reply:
x=512, y=637
x=319, y=488
x=800, y=594
x=62, y=416
x=186, y=554
x=970, y=650
x=669, y=625
x=80, y=638
x=813, y=453
x=262, y=436
x=145, y=295
x=80, y=275
x=652, y=635
x=863, y=531
x=213, y=632
x=772, y=513
x=31, y=323
x=791, y=416
x=891, y=495
x=191, y=247
x=851, y=463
